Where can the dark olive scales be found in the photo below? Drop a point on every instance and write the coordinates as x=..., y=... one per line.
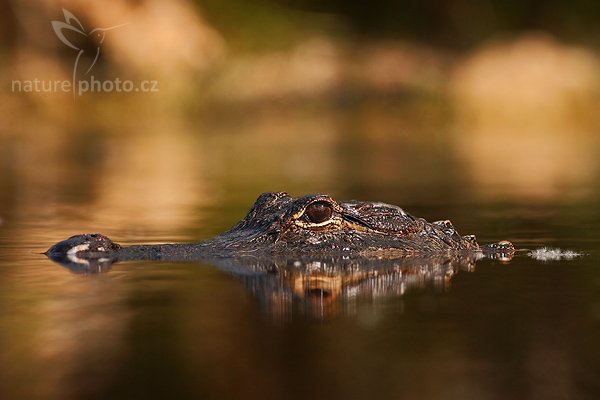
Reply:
x=280, y=225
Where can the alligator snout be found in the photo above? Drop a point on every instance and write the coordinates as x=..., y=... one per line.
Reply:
x=85, y=245
x=84, y=253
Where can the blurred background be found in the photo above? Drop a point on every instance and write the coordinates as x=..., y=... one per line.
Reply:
x=483, y=112
x=412, y=101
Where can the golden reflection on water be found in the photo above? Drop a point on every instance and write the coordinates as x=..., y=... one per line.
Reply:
x=81, y=329
x=65, y=330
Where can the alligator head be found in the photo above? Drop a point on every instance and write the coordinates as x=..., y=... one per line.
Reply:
x=314, y=225
x=318, y=224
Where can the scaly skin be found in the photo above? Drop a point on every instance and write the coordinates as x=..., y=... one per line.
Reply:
x=311, y=226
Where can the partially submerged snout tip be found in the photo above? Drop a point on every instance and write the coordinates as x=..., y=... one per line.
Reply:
x=91, y=243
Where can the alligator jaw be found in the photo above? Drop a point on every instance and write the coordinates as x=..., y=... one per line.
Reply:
x=92, y=253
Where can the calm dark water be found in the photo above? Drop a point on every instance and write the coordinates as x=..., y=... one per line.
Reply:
x=521, y=329
x=496, y=330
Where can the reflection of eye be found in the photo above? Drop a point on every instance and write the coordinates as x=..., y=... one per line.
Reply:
x=319, y=211
x=318, y=293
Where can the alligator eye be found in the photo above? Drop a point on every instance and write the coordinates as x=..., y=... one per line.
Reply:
x=319, y=211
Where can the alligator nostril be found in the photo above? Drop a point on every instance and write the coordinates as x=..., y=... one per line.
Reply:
x=94, y=235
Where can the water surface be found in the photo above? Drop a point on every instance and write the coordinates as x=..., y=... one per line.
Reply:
x=150, y=330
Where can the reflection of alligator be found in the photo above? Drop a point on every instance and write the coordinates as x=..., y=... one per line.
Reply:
x=322, y=287
x=310, y=252
x=280, y=225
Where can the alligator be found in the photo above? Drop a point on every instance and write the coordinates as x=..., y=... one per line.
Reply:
x=279, y=226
